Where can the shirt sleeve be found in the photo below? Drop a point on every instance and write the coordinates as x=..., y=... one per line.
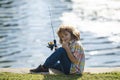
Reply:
x=78, y=51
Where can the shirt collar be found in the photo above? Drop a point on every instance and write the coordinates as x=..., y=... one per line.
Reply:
x=72, y=41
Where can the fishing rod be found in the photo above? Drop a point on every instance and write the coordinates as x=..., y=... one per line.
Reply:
x=53, y=43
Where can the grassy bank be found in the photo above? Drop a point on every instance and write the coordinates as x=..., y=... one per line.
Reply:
x=85, y=76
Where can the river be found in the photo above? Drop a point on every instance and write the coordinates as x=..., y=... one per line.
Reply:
x=25, y=30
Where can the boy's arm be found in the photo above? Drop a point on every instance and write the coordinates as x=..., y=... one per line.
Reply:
x=69, y=53
x=71, y=56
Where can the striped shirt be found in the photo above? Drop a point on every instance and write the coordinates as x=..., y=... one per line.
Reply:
x=78, y=52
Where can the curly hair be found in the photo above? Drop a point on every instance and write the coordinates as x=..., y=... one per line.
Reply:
x=75, y=34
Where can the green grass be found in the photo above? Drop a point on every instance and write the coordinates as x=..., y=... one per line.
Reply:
x=85, y=76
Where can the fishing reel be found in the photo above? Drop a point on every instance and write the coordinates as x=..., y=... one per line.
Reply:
x=52, y=44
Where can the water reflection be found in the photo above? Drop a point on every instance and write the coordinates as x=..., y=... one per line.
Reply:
x=99, y=23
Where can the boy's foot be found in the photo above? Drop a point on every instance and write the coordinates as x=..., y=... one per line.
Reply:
x=39, y=69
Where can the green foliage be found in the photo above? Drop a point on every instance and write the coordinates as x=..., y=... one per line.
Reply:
x=85, y=76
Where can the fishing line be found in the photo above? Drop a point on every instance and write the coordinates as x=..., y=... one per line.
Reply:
x=50, y=15
x=53, y=44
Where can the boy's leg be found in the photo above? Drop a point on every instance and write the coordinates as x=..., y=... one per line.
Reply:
x=51, y=62
x=61, y=55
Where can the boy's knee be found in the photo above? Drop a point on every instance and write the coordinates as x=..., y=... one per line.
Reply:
x=61, y=49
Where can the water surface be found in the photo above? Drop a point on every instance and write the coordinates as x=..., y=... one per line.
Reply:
x=25, y=30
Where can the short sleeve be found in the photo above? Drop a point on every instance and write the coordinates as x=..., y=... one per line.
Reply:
x=78, y=51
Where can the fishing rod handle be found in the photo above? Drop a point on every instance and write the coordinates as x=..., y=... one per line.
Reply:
x=55, y=43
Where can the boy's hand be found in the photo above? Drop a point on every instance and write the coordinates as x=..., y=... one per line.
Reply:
x=65, y=45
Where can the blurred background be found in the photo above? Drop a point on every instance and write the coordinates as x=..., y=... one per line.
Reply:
x=25, y=30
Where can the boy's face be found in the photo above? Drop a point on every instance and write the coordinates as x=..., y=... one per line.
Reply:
x=66, y=36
